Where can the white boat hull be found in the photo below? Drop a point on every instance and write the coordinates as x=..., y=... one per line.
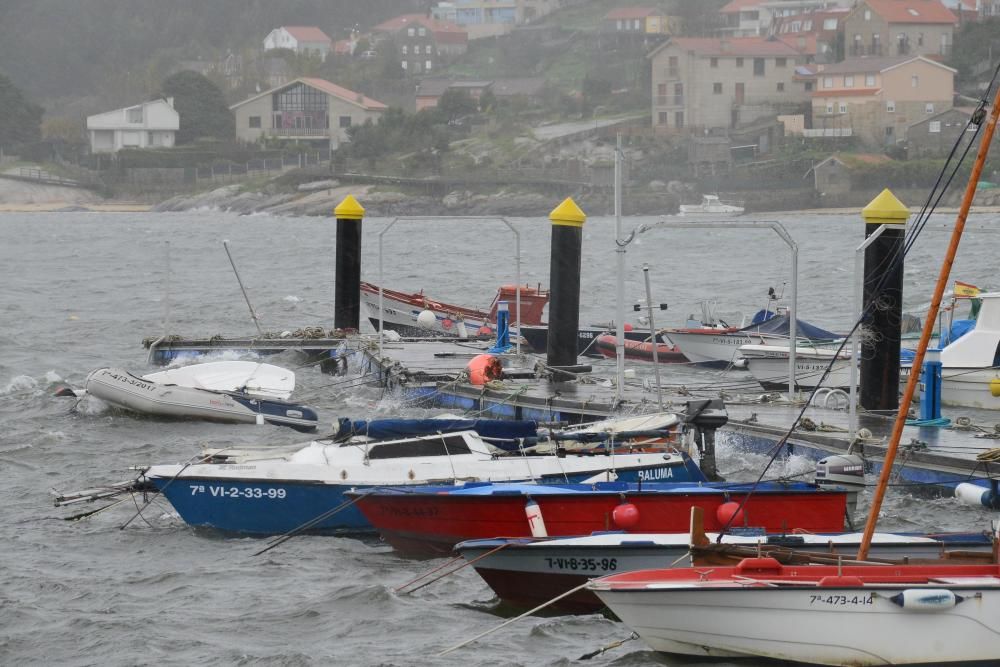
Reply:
x=832, y=626
x=769, y=366
x=718, y=349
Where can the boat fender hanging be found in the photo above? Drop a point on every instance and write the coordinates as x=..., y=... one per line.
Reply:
x=926, y=599
x=729, y=513
x=995, y=387
x=625, y=516
x=483, y=368
x=977, y=496
x=535, y=520
x=427, y=319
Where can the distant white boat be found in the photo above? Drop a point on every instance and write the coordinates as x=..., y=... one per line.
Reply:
x=712, y=205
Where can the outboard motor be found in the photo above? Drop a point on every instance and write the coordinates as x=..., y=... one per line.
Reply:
x=846, y=471
x=703, y=417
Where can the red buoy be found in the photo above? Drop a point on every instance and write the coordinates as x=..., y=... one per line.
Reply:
x=627, y=327
x=483, y=368
x=625, y=516
x=485, y=331
x=729, y=514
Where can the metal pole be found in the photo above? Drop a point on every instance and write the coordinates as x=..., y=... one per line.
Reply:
x=225, y=244
x=620, y=295
x=859, y=253
x=652, y=329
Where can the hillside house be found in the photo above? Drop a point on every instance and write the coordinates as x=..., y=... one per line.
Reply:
x=834, y=175
x=704, y=82
x=756, y=18
x=878, y=99
x=429, y=91
x=934, y=136
x=422, y=42
x=899, y=28
x=148, y=125
x=480, y=18
x=639, y=21
x=307, y=109
x=308, y=40
x=825, y=26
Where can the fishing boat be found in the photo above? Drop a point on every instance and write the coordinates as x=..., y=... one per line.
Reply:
x=712, y=205
x=721, y=349
x=430, y=521
x=416, y=314
x=537, y=337
x=242, y=392
x=302, y=487
x=814, y=366
x=666, y=353
x=528, y=572
x=865, y=614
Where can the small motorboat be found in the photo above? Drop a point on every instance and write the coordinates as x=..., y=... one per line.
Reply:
x=243, y=392
x=666, y=353
x=712, y=205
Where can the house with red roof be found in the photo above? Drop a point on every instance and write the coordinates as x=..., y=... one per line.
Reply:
x=422, y=42
x=301, y=39
x=640, y=21
x=879, y=98
x=307, y=109
x=825, y=26
x=711, y=82
x=899, y=28
x=749, y=18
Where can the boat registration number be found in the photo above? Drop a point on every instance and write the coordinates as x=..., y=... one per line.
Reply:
x=249, y=492
x=842, y=600
x=582, y=564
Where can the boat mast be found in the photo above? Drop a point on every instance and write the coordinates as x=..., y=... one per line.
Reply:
x=925, y=335
x=620, y=279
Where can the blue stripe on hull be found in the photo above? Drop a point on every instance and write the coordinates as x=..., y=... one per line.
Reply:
x=273, y=508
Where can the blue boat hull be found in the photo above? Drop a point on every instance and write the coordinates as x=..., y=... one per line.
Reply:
x=264, y=507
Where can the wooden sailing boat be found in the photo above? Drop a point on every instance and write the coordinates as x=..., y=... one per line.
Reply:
x=856, y=614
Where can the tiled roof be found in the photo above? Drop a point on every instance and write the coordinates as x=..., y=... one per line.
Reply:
x=342, y=93
x=912, y=11
x=872, y=64
x=306, y=33
x=744, y=46
x=736, y=6
x=435, y=25
x=631, y=13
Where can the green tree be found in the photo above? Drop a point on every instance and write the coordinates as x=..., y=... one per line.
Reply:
x=22, y=120
x=455, y=103
x=202, y=107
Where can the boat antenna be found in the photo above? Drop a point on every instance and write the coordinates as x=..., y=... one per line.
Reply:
x=929, y=322
x=225, y=244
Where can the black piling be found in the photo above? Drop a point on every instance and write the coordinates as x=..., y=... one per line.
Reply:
x=347, y=285
x=564, y=284
x=883, y=298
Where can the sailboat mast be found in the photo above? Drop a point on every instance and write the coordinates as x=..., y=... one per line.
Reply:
x=929, y=322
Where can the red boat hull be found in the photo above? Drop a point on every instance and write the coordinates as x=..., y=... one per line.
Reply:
x=431, y=525
x=640, y=350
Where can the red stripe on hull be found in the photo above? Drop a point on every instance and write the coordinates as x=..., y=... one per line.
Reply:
x=429, y=525
x=666, y=354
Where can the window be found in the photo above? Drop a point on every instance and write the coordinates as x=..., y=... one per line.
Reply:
x=781, y=86
x=679, y=119
x=636, y=25
x=716, y=88
x=713, y=62
x=920, y=39
x=807, y=26
x=868, y=15
x=739, y=62
x=929, y=107
x=869, y=80
x=843, y=107
x=672, y=66
x=345, y=121
x=416, y=50
x=828, y=82
x=758, y=67
x=890, y=107
x=422, y=32
x=809, y=86
x=428, y=64
x=255, y=121
x=411, y=32
x=829, y=107
x=404, y=65
x=848, y=82
x=405, y=50
x=780, y=62
x=829, y=24
x=133, y=115
x=914, y=81
x=934, y=126
x=662, y=118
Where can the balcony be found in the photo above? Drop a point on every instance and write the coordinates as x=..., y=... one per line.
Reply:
x=669, y=100
x=300, y=132
x=828, y=132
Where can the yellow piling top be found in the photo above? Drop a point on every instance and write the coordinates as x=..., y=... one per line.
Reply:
x=349, y=209
x=568, y=214
x=885, y=209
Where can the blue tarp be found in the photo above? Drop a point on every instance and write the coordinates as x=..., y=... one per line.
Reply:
x=781, y=325
x=389, y=429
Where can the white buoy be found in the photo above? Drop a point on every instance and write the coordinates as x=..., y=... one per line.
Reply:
x=260, y=419
x=926, y=599
x=535, y=520
x=427, y=319
x=972, y=494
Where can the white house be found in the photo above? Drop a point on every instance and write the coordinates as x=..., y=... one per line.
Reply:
x=301, y=39
x=148, y=125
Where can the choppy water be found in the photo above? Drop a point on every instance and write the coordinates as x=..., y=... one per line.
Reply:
x=80, y=290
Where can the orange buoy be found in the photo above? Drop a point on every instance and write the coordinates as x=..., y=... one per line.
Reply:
x=627, y=327
x=729, y=513
x=447, y=323
x=625, y=516
x=485, y=330
x=483, y=368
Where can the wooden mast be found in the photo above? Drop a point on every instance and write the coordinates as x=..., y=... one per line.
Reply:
x=925, y=335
